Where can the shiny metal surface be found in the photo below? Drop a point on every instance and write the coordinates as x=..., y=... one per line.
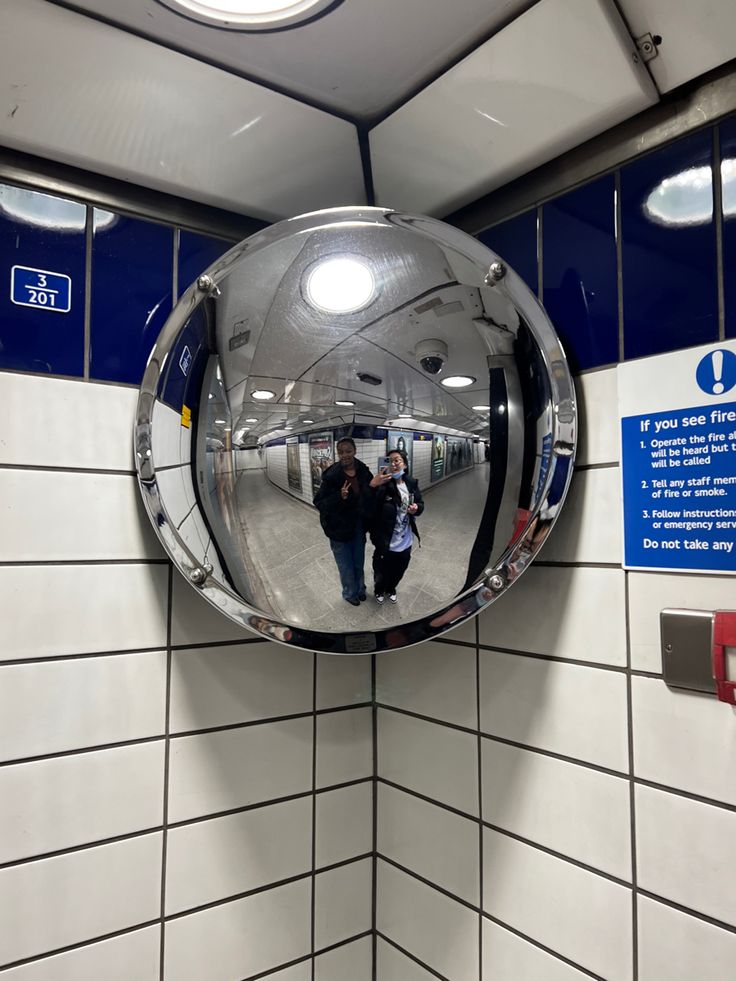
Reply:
x=314, y=330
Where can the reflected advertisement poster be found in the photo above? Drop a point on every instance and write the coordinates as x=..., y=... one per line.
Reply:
x=438, y=457
x=459, y=454
x=293, y=466
x=401, y=439
x=321, y=457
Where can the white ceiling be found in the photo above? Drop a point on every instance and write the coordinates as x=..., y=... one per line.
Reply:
x=475, y=93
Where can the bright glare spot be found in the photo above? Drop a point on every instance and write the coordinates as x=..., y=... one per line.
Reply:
x=340, y=285
x=343, y=402
x=457, y=381
x=481, y=408
x=263, y=394
x=687, y=198
x=305, y=421
x=251, y=420
x=501, y=409
x=220, y=422
x=46, y=211
x=244, y=11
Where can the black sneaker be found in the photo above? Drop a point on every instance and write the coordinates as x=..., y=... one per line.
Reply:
x=361, y=597
x=380, y=598
x=353, y=602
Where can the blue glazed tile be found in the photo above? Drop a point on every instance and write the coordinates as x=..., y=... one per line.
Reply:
x=44, y=233
x=580, y=288
x=131, y=293
x=669, y=249
x=515, y=241
x=197, y=253
x=728, y=184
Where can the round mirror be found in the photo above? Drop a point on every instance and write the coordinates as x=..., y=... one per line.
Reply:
x=355, y=431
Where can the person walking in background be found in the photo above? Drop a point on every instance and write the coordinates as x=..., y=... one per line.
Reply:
x=395, y=502
x=341, y=501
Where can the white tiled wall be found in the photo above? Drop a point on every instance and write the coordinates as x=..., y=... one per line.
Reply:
x=607, y=801
x=158, y=764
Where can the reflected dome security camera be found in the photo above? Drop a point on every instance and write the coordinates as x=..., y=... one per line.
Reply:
x=431, y=355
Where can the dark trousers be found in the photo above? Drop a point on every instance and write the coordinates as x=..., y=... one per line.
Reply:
x=388, y=569
x=349, y=558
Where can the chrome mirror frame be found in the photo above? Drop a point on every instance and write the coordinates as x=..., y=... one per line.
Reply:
x=496, y=578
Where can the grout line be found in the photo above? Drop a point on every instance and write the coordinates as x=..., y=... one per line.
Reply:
x=35, y=958
x=175, y=240
x=411, y=957
x=547, y=950
x=305, y=959
x=88, y=239
x=688, y=911
x=43, y=563
x=479, y=751
x=227, y=727
x=632, y=795
x=554, y=659
x=313, y=884
x=80, y=750
x=374, y=819
x=63, y=658
x=167, y=767
x=41, y=468
x=718, y=216
x=584, y=467
x=577, y=565
x=540, y=252
x=619, y=263
x=85, y=847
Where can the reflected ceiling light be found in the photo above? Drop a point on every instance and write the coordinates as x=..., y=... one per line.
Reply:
x=687, y=198
x=501, y=409
x=263, y=394
x=305, y=421
x=343, y=402
x=220, y=422
x=481, y=408
x=251, y=420
x=249, y=15
x=405, y=415
x=340, y=284
x=457, y=381
x=46, y=211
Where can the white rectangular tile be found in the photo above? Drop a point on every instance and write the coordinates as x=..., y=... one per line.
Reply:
x=679, y=947
x=342, y=680
x=87, y=609
x=568, y=709
x=431, y=841
x=60, y=901
x=166, y=436
x=55, y=706
x=238, y=939
x=507, y=957
x=353, y=960
x=437, y=680
x=195, y=621
x=582, y=916
x=344, y=746
x=649, y=593
x=392, y=965
x=686, y=851
x=440, y=932
x=569, y=606
x=54, y=422
x=684, y=739
x=344, y=823
x=589, y=528
x=216, y=686
x=343, y=902
x=212, y=860
x=571, y=809
x=72, y=800
x=434, y=760
x=220, y=771
x=597, y=393
x=134, y=955
x=297, y=972
x=67, y=516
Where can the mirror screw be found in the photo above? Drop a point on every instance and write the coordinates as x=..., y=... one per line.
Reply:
x=496, y=583
x=496, y=272
x=198, y=576
x=206, y=284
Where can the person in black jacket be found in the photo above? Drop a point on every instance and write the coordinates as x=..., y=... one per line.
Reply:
x=341, y=501
x=395, y=502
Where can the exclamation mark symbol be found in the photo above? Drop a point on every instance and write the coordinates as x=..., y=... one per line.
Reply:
x=718, y=385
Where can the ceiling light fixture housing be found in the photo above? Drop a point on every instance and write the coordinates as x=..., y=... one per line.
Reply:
x=340, y=284
x=252, y=15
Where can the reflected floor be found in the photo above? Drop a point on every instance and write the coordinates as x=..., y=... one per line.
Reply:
x=297, y=571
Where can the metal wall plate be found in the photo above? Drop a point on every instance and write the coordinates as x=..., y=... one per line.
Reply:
x=687, y=645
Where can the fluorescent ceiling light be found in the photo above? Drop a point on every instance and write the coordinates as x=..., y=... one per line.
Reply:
x=343, y=402
x=305, y=421
x=687, y=198
x=405, y=415
x=251, y=420
x=481, y=408
x=340, y=284
x=220, y=422
x=249, y=15
x=263, y=394
x=458, y=381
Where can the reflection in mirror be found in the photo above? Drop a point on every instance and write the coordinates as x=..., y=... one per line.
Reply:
x=356, y=430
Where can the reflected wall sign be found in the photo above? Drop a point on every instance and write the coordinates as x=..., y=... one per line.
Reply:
x=383, y=450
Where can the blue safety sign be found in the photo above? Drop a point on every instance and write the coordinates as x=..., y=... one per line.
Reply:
x=716, y=372
x=41, y=289
x=679, y=486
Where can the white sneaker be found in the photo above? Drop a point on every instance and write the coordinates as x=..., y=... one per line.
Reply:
x=392, y=597
x=380, y=598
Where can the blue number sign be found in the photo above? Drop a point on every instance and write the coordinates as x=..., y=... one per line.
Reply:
x=41, y=289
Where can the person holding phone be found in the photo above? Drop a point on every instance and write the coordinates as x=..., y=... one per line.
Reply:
x=341, y=501
x=395, y=502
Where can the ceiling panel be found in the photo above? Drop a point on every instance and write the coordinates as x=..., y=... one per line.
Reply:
x=696, y=37
x=561, y=73
x=359, y=59
x=79, y=92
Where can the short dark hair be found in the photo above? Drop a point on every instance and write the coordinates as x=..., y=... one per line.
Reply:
x=347, y=439
x=402, y=454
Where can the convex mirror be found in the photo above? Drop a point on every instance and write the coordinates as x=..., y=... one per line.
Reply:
x=355, y=430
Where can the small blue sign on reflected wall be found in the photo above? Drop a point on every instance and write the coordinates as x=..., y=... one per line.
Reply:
x=40, y=288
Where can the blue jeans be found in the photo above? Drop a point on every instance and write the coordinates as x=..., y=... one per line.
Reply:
x=349, y=558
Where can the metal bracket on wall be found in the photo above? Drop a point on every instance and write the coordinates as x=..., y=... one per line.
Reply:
x=697, y=646
x=648, y=46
